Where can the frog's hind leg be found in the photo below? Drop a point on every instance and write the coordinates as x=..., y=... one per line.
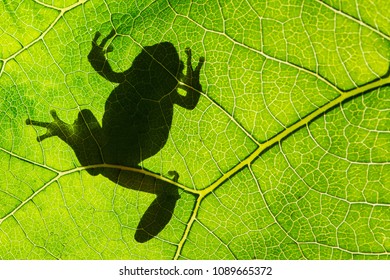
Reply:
x=159, y=213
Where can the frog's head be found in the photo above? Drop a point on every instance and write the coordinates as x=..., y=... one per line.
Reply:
x=157, y=67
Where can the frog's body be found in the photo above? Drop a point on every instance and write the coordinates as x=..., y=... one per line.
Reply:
x=138, y=112
x=136, y=123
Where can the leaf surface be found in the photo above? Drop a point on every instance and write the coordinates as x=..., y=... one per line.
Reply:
x=286, y=156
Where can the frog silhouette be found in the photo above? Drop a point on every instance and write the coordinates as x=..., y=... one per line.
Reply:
x=136, y=123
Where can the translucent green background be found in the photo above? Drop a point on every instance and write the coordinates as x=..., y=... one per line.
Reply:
x=321, y=193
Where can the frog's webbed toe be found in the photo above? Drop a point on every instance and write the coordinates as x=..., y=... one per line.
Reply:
x=101, y=48
x=190, y=70
x=192, y=75
x=54, y=128
x=199, y=66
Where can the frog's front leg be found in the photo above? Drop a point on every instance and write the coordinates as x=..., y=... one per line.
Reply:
x=84, y=136
x=190, y=84
x=97, y=59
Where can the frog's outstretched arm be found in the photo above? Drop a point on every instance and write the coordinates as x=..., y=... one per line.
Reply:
x=190, y=84
x=97, y=58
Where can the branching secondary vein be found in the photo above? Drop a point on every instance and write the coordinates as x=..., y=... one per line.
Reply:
x=276, y=139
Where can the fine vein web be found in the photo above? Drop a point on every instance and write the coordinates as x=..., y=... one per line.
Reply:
x=298, y=125
x=43, y=34
x=358, y=21
x=246, y=163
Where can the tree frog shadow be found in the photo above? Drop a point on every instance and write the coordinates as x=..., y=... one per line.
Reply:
x=136, y=123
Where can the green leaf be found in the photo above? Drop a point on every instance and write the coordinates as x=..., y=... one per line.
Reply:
x=286, y=155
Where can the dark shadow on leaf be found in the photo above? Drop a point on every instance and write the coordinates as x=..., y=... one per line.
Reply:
x=136, y=123
x=158, y=215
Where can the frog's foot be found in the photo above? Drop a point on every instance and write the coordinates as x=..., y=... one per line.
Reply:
x=172, y=191
x=174, y=174
x=54, y=128
x=192, y=76
x=99, y=51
